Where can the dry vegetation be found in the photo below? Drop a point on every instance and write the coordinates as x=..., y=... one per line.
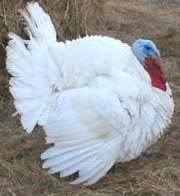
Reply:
x=20, y=165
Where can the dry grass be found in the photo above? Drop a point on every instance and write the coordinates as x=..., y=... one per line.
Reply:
x=20, y=166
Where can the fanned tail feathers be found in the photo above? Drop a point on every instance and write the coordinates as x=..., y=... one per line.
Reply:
x=38, y=23
x=29, y=85
x=32, y=69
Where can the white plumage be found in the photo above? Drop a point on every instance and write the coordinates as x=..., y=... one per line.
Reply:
x=92, y=96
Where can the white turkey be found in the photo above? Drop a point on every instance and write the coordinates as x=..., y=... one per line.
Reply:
x=98, y=99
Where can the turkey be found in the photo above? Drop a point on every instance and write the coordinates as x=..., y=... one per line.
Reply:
x=99, y=100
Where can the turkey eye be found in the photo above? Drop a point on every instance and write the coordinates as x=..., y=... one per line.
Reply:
x=148, y=48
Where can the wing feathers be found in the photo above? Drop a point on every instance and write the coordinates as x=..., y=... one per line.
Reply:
x=68, y=156
x=54, y=151
x=71, y=162
x=84, y=140
x=85, y=166
x=89, y=174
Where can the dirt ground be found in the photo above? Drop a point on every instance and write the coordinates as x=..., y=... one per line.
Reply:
x=20, y=166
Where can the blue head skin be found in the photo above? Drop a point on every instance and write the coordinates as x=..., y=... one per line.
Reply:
x=149, y=56
x=143, y=49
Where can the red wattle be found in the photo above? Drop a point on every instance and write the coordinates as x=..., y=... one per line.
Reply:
x=155, y=69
